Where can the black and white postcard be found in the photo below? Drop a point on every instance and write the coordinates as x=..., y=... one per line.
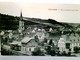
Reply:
x=44, y=29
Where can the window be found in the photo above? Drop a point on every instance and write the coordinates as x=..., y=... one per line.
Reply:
x=67, y=45
x=29, y=49
x=70, y=40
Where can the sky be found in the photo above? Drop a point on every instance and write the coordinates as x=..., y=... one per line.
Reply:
x=60, y=12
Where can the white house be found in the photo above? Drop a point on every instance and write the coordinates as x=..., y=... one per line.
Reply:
x=41, y=33
x=50, y=30
x=10, y=35
x=61, y=44
x=2, y=33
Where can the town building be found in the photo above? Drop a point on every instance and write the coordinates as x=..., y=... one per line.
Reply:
x=28, y=45
x=10, y=34
x=15, y=45
x=42, y=34
x=50, y=30
x=64, y=43
x=74, y=39
x=61, y=44
x=69, y=41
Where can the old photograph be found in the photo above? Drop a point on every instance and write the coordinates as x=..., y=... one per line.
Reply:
x=39, y=29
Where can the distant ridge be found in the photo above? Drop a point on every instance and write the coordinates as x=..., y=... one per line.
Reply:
x=8, y=22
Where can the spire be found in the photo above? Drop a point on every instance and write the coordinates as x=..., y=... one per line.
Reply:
x=21, y=18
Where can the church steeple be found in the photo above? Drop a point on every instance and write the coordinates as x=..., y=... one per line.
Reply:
x=21, y=24
x=21, y=17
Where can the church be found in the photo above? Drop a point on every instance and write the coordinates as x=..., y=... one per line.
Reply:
x=21, y=24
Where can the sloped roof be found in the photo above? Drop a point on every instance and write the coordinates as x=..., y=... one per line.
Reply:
x=15, y=42
x=26, y=39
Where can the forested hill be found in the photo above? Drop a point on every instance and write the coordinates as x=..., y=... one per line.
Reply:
x=8, y=22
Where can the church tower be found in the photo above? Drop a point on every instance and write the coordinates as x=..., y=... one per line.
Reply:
x=21, y=24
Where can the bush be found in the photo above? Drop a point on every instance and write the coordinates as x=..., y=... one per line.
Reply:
x=64, y=53
x=50, y=51
x=37, y=52
x=76, y=49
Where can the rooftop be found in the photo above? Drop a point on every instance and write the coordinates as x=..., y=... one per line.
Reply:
x=27, y=39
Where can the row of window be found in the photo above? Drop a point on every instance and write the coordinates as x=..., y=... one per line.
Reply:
x=74, y=35
x=74, y=40
x=75, y=44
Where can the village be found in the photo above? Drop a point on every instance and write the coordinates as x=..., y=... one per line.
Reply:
x=35, y=40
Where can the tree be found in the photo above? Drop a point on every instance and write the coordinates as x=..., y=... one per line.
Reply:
x=58, y=52
x=69, y=53
x=45, y=40
x=5, y=52
x=36, y=38
x=37, y=52
x=50, y=42
x=76, y=49
x=50, y=50
x=64, y=53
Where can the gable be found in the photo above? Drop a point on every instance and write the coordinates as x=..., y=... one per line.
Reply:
x=32, y=43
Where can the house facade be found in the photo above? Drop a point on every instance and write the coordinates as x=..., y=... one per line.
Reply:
x=69, y=41
x=28, y=45
x=42, y=34
x=64, y=43
x=74, y=39
x=61, y=44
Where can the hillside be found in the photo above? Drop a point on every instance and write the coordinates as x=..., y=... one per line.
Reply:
x=8, y=22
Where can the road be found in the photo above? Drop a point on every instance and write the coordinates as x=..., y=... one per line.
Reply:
x=77, y=54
